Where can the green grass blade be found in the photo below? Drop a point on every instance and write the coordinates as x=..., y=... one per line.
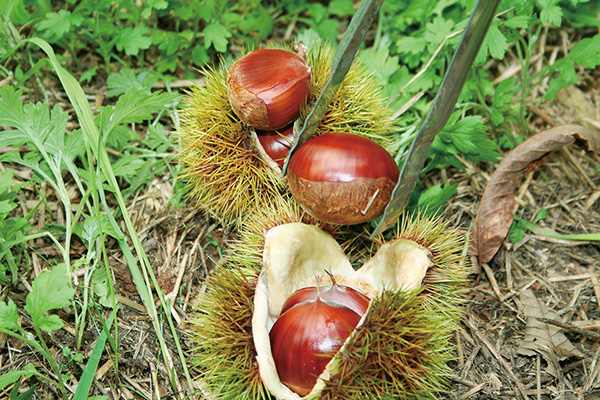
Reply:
x=549, y=233
x=87, y=378
x=143, y=273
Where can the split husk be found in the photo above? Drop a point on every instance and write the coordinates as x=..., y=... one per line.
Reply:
x=228, y=177
x=401, y=348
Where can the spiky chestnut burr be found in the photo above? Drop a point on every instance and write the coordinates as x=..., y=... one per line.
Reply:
x=422, y=323
x=227, y=176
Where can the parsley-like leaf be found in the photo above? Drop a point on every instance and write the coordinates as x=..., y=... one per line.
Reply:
x=494, y=44
x=132, y=40
x=153, y=4
x=467, y=138
x=119, y=82
x=216, y=35
x=551, y=12
x=136, y=106
x=503, y=97
x=50, y=290
x=379, y=61
x=437, y=31
x=56, y=24
x=586, y=52
x=8, y=315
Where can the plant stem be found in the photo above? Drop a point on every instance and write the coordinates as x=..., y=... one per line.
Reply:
x=525, y=60
x=52, y=361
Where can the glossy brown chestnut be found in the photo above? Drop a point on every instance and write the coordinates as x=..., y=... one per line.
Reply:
x=267, y=88
x=277, y=143
x=305, y=338
x=342, y=178
x=337, y=294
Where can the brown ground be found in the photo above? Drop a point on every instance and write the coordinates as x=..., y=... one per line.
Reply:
x=562, y=276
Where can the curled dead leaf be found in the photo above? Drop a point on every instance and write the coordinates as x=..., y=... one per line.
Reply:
x=498, y=202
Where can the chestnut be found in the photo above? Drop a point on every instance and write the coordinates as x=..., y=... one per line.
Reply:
x=306, y=337
x=267, y=88
x=342, y=178
x=277, y=143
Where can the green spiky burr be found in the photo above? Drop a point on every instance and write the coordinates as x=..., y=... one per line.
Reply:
x=400, y=351
x=227, y=174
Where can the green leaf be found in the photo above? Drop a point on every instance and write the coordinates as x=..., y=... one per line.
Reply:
x=216, y=35
x=412, y=45
x=467, y=138
x=11, y=114
x=39, y=128
x=132, y=40
x=259, y=21
x=50, y=290
x=87, y=75
x=516, y=232
x=199, y=56
x=87, y=377
x=380, y=63
x=139, y=105
x=6, y=182
x=126, y=78
x=437, y=31
x=328, y=29
x=6, y=206
x=318, y=12
x=26, y=395
x=433, y=200
x=494, y=44
x=101, y=287
x=14, y=11
x=128, y=165
x=542, y=214
x=518, y=21
x=341, y=8
x=88, y=231
x=503, y=97
x=153, y=4
x=11, y=376
x=586, y=52
x=551, y=13
x=56, y=24
x=156, y=139
x=8, y=316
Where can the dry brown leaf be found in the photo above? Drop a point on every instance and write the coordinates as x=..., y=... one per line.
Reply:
x=540, y=338
x=498, y=201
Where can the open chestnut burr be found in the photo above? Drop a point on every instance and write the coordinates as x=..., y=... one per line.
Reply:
x=297, y=349
x=342, y=178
